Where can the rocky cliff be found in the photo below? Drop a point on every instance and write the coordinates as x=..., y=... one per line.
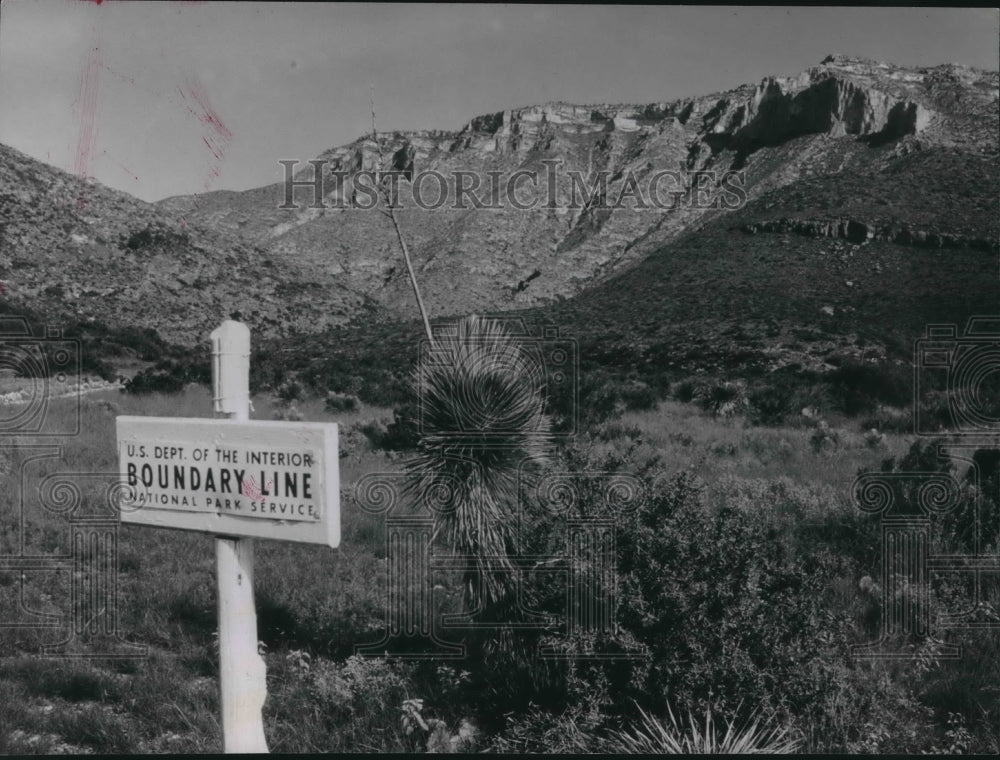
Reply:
x=844, y=113
x=849, y=148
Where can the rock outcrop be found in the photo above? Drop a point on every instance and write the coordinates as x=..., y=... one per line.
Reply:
x=856, y=231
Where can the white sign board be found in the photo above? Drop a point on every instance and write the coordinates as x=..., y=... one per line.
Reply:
x=259, y=479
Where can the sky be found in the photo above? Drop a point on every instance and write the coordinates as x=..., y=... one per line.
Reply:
x=161, y=99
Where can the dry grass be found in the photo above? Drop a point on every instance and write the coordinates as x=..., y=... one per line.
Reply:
x=316, y=602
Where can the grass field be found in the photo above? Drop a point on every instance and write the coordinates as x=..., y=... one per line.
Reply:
x=790, y=484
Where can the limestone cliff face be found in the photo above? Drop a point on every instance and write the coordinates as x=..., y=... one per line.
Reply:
x=827, y=119
x=819, y=102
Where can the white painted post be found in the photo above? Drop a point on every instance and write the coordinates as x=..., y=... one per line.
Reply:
x=242, y=673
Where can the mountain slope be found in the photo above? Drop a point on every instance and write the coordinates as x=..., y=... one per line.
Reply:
x=835, y=117
x=75, y=250
x=846, y=250
x=872, y=208
x=851, y=266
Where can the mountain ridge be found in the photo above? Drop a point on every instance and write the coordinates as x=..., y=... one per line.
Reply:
x=851, y=147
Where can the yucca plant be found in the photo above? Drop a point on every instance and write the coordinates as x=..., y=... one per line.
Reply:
x=482, y=420
x=482, y=415
x=654, y=736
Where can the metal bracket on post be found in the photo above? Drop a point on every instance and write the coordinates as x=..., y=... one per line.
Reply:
x=231, y=369
x=242, y=673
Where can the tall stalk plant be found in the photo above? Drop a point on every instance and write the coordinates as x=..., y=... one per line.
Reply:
x=390, y=212
x=482, y=420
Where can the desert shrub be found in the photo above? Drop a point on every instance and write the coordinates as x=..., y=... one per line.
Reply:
x=655, y=736
x=810, y=393
x=341, y=402
x=155, y=381
x=888, y=420
x=354, y=705
x=824, y=438
x=602, y=394
x=858, y=387
x=288, y=412
x=768, y=404
x=719, y=591
x=375, y=377
x=400, y=434
x=538, y=730
x=291, y=391
x=684, y=390
x=974, y=524
x=595, y=401
x=153, y=236
x=638, y=396
x=874, y=439
x=723, y=399
x=169, y=376
x=935, y=411
x=715, y=588
x=938, y=407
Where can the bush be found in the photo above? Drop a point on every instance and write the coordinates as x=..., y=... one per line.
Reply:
x=721, y=592
x=154, y=381
x=655, y=736
x=887, y=420
x=341, y=402
x=768, y=404
x=684, y=390
x=290, y=391
x=168, y=376
x=859, y=387
x=824, y=438
x=402, y=434
x=355, y=704
x=723, y=399
x=638, y=396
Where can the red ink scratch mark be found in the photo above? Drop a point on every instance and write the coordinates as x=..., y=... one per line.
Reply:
x=122, y=77
x=87, y=103
x=122, y=166
x=217, y=136
x=249, y=487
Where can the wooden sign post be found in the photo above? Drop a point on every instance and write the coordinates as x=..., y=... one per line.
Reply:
x=242, y=673
x=238, y=480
